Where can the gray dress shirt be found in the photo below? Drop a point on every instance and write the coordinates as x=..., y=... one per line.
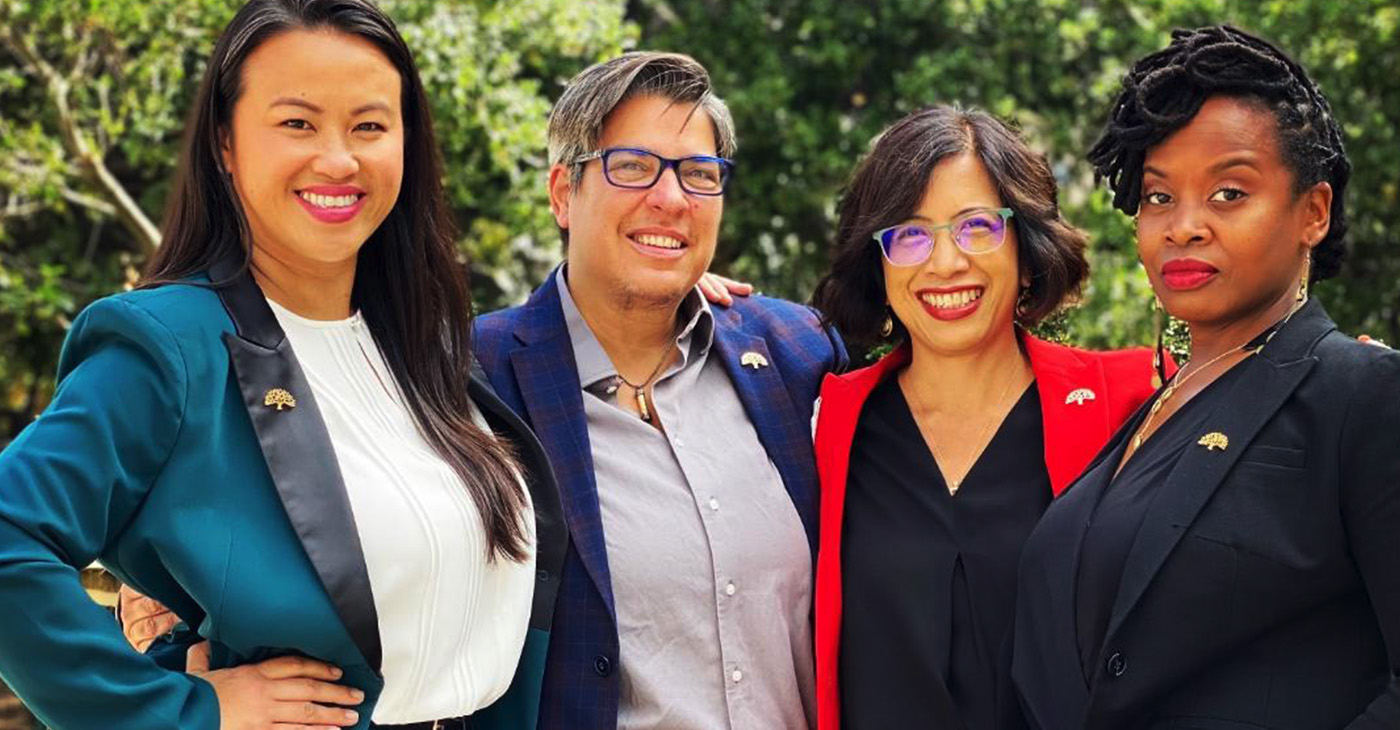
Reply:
x=711, y=573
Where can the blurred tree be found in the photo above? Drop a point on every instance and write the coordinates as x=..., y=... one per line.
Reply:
x=93, y=94
x=812, y=81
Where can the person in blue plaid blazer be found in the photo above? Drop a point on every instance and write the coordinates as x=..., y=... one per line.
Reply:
x=774, y=353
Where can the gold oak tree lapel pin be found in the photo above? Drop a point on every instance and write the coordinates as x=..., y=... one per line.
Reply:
x=1078, y=396
x=1214, y=440
x=753, y=360
x=279, y=398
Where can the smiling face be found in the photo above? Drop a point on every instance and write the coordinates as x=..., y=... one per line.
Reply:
x=957, y=303
x=645, y=247
x=315, y=147
x=1220, y=230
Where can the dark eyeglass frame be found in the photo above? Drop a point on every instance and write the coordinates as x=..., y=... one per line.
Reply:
x=726, y=169
x=879, y=236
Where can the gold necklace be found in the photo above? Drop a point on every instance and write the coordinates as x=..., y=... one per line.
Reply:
x=955, y=484
x=1182, y=376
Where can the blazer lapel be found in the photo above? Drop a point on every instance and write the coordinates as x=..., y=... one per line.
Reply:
x=298, y=452
x=786, y=438
x=551, y=534
x=1074, y=409
x=1240, y=414
x=549, y=386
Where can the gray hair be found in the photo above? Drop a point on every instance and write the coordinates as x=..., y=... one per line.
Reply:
x=577, y=120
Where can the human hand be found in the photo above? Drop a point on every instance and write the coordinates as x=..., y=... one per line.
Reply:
x=286, y=693
x=718, y=289
x=143, y=619
x=1372, y=341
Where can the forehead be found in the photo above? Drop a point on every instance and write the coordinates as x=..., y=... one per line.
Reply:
x=1223, y=126
x=958, y=183
x=320, y=66
x=664, y=126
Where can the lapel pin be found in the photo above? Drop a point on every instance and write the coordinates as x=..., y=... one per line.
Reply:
x=279, y=398
x=1079, y=396
x=1214, y=440
x=753, y=360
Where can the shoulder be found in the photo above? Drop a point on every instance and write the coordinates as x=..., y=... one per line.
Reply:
x=1369, y=369
x=777, y=314
x=170, y=316
x=496, y=324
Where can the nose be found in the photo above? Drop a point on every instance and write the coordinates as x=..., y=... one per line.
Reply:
x=336, y=161
x=946, y=259
x=1186, y=225
x=667, y=194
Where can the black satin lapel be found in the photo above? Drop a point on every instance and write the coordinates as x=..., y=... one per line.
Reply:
x=771, y=411
x=302, y=462
x=1253, y=399
x=551, y=534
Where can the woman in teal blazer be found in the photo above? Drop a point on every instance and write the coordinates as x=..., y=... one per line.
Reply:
x=185, y=447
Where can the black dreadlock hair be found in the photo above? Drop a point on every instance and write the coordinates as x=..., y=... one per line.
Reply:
x=1164, y=90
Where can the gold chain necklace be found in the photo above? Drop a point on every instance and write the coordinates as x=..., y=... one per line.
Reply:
x=1182, y=376
x=955, y=484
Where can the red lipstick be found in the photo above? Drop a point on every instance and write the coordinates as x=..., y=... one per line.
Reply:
x=1187, y=274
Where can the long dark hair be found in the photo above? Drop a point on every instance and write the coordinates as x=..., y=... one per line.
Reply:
x=409, y=284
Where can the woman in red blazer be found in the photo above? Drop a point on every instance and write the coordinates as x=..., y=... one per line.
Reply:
x=936, y=462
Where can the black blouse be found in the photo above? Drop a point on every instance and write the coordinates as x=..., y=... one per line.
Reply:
x=928, y=578
x=1122, y=506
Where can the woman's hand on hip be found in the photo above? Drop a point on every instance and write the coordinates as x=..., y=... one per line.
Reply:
x=286, y=693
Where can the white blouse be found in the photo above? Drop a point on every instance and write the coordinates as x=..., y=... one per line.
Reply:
x=452, y=625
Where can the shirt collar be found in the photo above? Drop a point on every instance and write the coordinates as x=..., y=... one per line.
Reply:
x=594, y=365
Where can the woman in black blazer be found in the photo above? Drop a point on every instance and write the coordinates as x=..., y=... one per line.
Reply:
x=1231, y=560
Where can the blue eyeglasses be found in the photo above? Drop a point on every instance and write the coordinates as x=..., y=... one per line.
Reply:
x=976, y=232
x=628, y=167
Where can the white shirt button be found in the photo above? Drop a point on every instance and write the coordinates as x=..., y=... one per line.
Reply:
x=714, y=504
x=737, y=676
x=730, y=590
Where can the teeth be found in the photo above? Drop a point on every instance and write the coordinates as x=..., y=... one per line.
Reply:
x=330, y=201
x=954, y=300
x=651, y=239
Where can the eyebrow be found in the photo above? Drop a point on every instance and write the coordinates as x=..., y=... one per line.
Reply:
x=1241, y=159
x=964, y=211
x=304, y=104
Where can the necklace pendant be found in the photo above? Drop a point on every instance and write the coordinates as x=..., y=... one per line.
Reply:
x=642, y=405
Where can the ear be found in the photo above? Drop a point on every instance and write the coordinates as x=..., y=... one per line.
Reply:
x=1316, y=213
x=561, y=189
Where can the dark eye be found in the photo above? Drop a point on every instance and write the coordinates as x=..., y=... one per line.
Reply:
x=1227, y=195
x=977, y=223
x=1156, y=198
x=297, y=124
x=369, y=127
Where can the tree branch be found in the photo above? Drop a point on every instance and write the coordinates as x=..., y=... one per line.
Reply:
x=123, y=207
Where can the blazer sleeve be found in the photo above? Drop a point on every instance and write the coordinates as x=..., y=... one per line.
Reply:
x=69, y=484
x=1370, y=471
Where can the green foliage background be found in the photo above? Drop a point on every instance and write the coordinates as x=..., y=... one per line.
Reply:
x=810, y=83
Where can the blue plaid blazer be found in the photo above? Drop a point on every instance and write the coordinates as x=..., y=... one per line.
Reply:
x=529, y=360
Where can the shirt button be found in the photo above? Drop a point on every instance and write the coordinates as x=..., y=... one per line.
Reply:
x=1117, y=665
x=602, y=665
x=714, y=504
x=730, y=590
x=737, y=676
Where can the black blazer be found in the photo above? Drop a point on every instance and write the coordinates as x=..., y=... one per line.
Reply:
x=1263, y=589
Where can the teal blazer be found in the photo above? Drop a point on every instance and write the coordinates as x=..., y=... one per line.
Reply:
x=163, y=457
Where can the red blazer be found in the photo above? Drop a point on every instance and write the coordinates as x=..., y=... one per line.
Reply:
x=1084, y=397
